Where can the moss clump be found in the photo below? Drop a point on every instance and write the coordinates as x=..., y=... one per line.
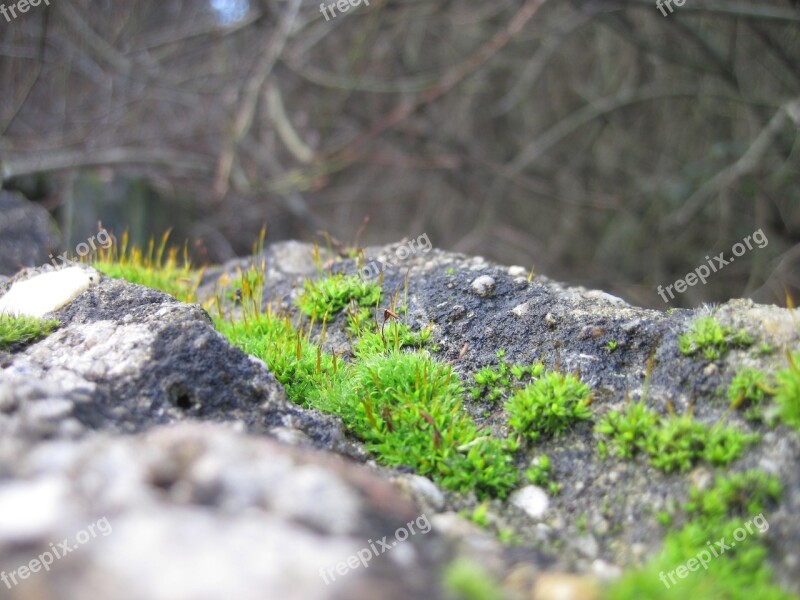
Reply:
x=741, y=493
x=19, y=331
x=407, y=409
x=405, y=406
x=680, y=442
x=671, y=443
x=304, y=370
x=787, y=392
x=370, y=337
x=467, y=580
x=749, y=388
x=549, y=405
x=712, y=339
x=629, y=429
x=496, y=382
x=539, y=473
x=738, y=572
x=158, y=268
x=332, y=294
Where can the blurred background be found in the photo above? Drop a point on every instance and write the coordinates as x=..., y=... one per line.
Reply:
x=603, y=141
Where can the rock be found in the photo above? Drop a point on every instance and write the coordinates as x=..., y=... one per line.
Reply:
x=558, y=586
x=517, y=271
x=532, y=499
x=605, y=571
x=520, y=310
x=422, y=490
x=27, y=234
x=606, y=297
x=31, y=510
x=47, y=292
x=587, y=546
x=483, y=285
x=163, y=357
x=228, y=514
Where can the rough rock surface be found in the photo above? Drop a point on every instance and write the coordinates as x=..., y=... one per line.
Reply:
x=214, y=486
x=26, y=234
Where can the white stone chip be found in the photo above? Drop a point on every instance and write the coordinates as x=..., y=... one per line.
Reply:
x=532, y=499
x=47, y=292
x=483, y=285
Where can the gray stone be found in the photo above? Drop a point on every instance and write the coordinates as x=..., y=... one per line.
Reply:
x=27, y=234
x=483, y=285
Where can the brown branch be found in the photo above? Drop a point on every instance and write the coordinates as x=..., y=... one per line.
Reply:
x=450, y=80
x=247, y=109
x=180, y=161
x=747, y=163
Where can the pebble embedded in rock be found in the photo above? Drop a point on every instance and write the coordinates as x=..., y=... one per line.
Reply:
x=483, y=286
x=517, y=271
x=47, y=292
x=532, y=499
x=521, y=310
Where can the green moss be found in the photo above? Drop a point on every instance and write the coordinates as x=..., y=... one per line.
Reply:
x=244, y=284
x=628, y=429
x=19, y=331
x=612, y=345
x=549, y=406
x=372, y=338
x=748, y=385
x=480, y=515
x=749, y=388
x=304, y=370
x=747, y=493
x=674, y=443
x=158, y=268
x=539, y=473
x=738, y=572
x=713, y=340
x=680, y=442
x=330, y=295
x=496, y=382
x=407, y=409
x=787, y=392
x=467, y=580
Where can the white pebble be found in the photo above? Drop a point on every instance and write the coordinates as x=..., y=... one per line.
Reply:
x=521, y=310
x=532, y=499
x=47, y=292
x=483, y=285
